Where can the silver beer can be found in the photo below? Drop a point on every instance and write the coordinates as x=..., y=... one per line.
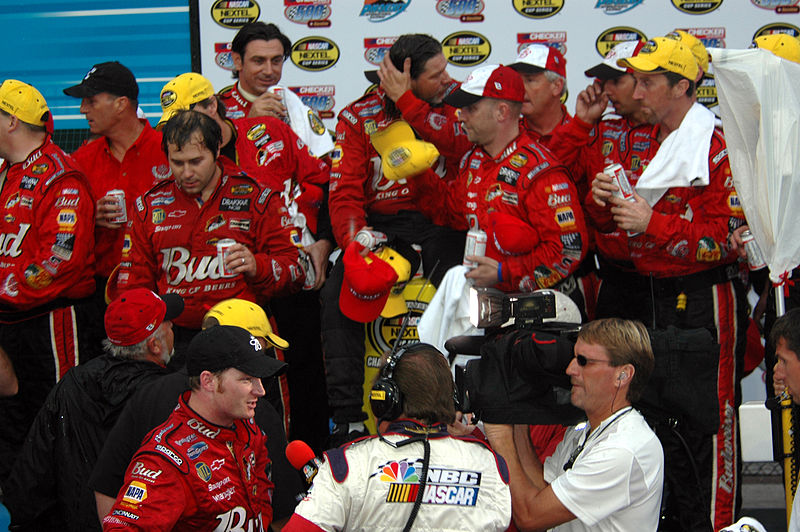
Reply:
x=119, y=197
x=755, y=259
x=223, y=247
x=308, y=268
x=474, y=245
x=370, y=239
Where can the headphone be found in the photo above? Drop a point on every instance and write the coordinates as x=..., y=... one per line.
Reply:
x=385, y=398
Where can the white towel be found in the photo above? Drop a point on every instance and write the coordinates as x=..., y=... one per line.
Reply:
x=447, y=315
x=682, y=159
x=301, y=116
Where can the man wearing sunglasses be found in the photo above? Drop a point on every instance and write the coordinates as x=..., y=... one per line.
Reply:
x=607, y=473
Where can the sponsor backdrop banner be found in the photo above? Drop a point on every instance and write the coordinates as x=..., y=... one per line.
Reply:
x=334, y=41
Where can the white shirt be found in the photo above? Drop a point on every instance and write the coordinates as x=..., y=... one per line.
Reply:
x=616, y=481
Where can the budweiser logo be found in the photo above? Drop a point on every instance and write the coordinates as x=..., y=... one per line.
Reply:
x=180, y=266
x=10, y=243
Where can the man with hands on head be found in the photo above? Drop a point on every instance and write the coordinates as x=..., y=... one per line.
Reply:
x=607, y=473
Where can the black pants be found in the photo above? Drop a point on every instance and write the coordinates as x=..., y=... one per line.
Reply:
x=721, y=308
x=343, y=338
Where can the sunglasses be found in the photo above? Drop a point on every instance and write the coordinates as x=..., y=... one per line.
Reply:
x=583, y=361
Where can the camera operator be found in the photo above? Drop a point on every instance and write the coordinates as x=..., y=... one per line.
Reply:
x=606, y=474
x=453, y=483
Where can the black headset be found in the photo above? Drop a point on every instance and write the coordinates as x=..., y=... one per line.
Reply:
x=385, y=398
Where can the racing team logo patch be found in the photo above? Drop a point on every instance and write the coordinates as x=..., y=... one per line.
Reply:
x=313, y=13
x=383, y=10
x=537, y=8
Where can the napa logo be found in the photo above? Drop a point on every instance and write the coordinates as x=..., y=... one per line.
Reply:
x=693, y=7
x=383, y=10
x=613, y=36
x=537, y=8
x=313, y=13
x=463, y=10
x=234, y=14
x=615, y=7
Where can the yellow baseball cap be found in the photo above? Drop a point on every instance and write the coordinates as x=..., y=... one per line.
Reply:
x=247, y=315
x=694, y=45
x=781, y=44
x=662, y=53
x=24, y=102
x=396, y=304
x=181, y=93
x=402, y=155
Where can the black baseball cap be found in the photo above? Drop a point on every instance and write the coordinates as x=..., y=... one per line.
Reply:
x=226, y=346
x=111, y=77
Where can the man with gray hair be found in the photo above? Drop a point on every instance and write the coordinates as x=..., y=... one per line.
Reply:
x=48, y=487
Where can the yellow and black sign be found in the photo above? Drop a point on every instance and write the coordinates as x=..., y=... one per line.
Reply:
x=695, y=7
x=777, y=27
x=315, y=53
x=538, y=8
x=613, y=36
x=707, y=91
x=235, y=13
x=466, y=48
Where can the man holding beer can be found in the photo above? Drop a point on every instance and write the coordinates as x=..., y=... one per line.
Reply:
x=171, y=246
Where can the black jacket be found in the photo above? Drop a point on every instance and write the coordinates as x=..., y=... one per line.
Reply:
x=48, y=486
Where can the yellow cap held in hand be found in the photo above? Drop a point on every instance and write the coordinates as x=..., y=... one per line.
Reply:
x=402, y=155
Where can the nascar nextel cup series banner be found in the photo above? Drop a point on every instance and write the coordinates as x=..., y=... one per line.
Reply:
x=335, y=41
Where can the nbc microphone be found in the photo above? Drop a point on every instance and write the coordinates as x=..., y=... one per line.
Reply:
x=303, y=459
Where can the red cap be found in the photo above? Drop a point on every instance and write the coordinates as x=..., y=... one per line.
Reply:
x=366, y=286
x=488, y=81
x=511, y=235
x=137, y=313
x=540, y=57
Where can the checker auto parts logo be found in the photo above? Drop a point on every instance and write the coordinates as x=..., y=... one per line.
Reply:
x=463, y=10
x=313, y=13
x=383, y=10
x=315, y=53
x=318, y=97
x=376, y=48
x=615, y=7
x=537, y=8
x=556, y=39
x=613, y=36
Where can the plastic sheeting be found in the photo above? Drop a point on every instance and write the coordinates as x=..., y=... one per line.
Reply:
x=759, y=100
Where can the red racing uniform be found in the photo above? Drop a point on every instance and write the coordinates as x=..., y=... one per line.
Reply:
x=171, y=245
x=46, y=278
x=684, y=275
x=142, y=167
x=268, y=149
x=547, y=139
x=358, y=187
x=190, y=474
x=235, y=102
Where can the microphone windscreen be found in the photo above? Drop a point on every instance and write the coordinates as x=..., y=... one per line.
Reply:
x=299, y=454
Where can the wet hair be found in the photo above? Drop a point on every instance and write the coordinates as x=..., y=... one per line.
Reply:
x=419, y=47
x=181, y=128
x=626, y=342
x=259, y=31
x=423, y=377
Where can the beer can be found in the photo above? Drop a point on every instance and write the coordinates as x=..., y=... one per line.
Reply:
x=370, y=239
x=474, y=245
x=755, y=259
x=119, y=196
x=308, y=269
x=278, y=91
x=223, y=246
x=617, y=174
